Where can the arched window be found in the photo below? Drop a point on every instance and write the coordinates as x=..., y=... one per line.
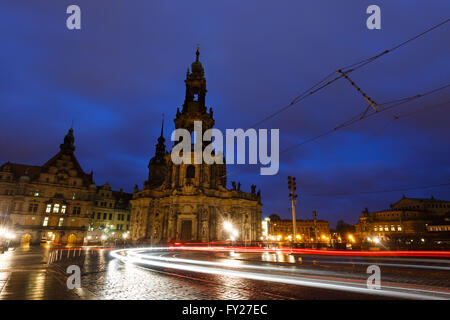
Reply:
x=190, y=172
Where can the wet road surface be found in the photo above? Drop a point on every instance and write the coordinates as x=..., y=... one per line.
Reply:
x=39, y=273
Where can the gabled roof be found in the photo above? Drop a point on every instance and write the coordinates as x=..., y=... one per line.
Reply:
x=122, y=199
x=87, y=178
x=19, y=170
x=67, y=149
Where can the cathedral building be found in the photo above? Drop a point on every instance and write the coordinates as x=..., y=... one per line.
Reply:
x=190, y=202
x=58, y=202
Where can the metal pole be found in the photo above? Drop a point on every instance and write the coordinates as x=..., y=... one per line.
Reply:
x=294, y=226
x=315, y=225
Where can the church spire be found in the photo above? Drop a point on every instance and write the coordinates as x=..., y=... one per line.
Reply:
x=161, y=147
x=194, y=106
x=68, y=144
x=157, y=169
x=197, y=54
x=162, y=126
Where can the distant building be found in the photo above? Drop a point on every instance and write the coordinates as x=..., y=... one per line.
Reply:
x=111, y=209
x=58, y=202
x=408, y=221
x=307, y=230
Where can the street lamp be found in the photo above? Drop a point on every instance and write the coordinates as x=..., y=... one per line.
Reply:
x=10, y=236
x=103, y=237
x=227, y=226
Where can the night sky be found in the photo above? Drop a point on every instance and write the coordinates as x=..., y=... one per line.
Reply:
x=127, y=66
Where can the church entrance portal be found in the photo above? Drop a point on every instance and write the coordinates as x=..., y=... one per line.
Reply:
x=186, y=230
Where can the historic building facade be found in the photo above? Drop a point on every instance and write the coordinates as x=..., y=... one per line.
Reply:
x=408, y=220
x=57, y=202
x=190, y=202
x=307, y=230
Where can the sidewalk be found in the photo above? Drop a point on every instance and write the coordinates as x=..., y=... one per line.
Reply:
x=24, y=276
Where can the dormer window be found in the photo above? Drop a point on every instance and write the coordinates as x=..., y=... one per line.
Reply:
x=56, y=208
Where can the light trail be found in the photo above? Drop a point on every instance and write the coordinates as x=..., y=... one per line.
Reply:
x=378, y=263
x=441, y=254
x=139, y=256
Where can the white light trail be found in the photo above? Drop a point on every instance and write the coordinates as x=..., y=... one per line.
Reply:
x=136, y=256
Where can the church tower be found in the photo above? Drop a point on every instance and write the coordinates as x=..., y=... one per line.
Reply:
x=157, y=167
x=194, y=108
x=190, y=201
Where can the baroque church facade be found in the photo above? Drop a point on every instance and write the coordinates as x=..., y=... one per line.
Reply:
x=190, y=202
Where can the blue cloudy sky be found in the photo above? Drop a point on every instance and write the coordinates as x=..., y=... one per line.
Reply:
x=117, y=75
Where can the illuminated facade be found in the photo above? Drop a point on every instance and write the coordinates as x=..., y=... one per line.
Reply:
x=408, y=218
x=307, y=230
x=190, y=202
x=57, y=202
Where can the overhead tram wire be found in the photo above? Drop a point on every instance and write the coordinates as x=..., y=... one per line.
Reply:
x=392, y=104
x=405, y=115
x=359, y=117
x=367, y=61
x=315, y=88
x=348, y=69
x=355, y=119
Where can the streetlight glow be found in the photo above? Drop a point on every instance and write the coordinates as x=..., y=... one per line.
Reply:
x=10, y=236
x=227, y=226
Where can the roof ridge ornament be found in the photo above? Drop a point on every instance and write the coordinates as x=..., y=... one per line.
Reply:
x=162, y=126
x=68, y=144
x=197, y=54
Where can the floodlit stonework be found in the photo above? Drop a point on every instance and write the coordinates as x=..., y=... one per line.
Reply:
x=190, y=202
x=58, y=202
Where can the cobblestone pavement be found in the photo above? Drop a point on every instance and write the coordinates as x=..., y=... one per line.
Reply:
x=24, y=274
x=107, y=278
